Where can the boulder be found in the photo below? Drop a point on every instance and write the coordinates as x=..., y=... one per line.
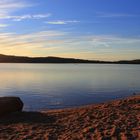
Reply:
x=10, y=104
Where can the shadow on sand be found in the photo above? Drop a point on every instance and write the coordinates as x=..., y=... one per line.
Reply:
x=27, y=117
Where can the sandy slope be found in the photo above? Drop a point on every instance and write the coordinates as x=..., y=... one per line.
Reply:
x=114, y=120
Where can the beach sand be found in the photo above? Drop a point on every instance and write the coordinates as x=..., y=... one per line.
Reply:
x=114, y=120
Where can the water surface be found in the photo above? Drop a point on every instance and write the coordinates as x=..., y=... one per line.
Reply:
x=42, y=86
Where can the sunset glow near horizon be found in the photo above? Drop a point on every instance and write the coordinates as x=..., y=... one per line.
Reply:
x=86, y=29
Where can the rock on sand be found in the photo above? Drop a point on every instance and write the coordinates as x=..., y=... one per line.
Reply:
x=10, y=104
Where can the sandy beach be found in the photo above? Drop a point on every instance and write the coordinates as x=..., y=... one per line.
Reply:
x=114, y=120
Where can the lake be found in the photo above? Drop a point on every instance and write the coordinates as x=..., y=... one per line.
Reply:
x=52, y=86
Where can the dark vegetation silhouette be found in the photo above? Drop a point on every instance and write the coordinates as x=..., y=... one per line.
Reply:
x=23, y=59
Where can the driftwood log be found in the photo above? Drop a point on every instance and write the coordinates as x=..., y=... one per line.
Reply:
x=10, y=104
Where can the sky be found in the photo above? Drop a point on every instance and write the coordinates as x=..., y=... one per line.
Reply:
x=86, y=29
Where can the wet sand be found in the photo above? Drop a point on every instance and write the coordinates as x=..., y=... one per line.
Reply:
x=114, y=120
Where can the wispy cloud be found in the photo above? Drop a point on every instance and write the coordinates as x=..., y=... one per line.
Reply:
x=62, y=22
x=111, y=41
x=58, y=43
x=25, y=17
x=38, y=42
x=8, y=6
x=3, y=25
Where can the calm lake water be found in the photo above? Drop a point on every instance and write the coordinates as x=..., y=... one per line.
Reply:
x=42, y=86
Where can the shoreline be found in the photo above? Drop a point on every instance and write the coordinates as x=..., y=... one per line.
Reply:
x=117, y=119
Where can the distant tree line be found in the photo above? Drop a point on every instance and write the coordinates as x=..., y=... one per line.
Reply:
x=22, y=59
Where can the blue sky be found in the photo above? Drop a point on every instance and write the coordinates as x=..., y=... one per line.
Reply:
x=87, y=29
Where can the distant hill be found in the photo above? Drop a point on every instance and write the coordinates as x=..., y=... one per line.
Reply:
x=22, y=59
x=137, y=61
